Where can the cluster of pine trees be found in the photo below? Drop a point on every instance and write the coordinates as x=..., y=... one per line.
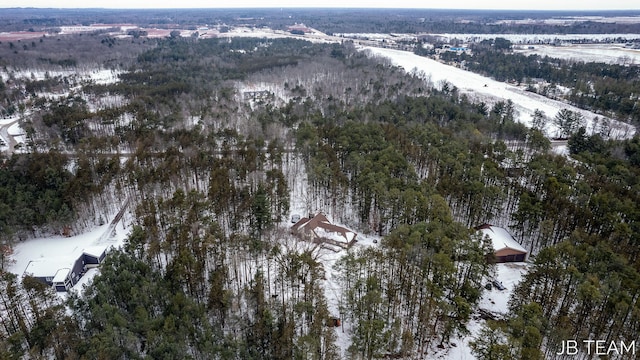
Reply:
x=210, y=269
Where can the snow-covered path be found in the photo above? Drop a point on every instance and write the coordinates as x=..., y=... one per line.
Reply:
x=9, y=141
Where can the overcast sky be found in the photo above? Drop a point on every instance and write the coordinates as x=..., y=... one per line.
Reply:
x=426, y=4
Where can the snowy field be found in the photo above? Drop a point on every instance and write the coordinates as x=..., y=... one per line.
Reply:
x=482, y=88
x=539, y=38
x=604, y=53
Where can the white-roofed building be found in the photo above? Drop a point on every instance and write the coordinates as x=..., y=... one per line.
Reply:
x=505, y=247
x=64, y=271
x=93, y=255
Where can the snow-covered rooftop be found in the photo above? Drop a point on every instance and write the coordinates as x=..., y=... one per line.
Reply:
x=54, y=247
x=58, y=267
x=95, y=250
x=61, y=275
x=501, y=239
x=48, y=266
x=324, y=229
x=326, y=234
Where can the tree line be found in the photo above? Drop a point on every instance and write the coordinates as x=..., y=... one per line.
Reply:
x=609, y=89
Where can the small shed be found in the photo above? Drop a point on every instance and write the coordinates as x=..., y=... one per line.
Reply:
x=505, y=247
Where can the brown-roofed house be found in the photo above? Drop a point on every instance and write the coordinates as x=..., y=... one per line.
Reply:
x=319, y=229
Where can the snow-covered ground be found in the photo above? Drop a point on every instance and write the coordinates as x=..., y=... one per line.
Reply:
x=16, y=131
x=510, y=275
x=482, y=88
x=473, y=85
x=604, y=53
x=539, y=38
x=301, y=204
x=494, y=301
x=333, y=290
x=10, y=130
x=66, y=248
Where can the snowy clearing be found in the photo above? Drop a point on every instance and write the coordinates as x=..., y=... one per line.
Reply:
x=602, y=53
x=64, y=249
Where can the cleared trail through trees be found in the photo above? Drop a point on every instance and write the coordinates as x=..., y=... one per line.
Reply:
x=107, y=233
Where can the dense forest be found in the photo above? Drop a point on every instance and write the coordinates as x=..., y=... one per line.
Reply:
x=210, y=269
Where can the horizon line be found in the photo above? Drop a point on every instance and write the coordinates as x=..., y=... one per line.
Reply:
x=315, y=8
